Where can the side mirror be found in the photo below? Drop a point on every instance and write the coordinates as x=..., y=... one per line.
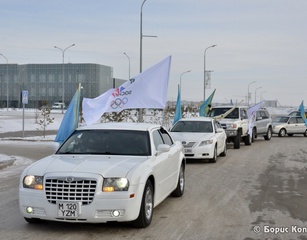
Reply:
x=219, y=130
x=163, y=148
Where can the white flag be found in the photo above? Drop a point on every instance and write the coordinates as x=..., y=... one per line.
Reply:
x=251, y=113
x=147, y=90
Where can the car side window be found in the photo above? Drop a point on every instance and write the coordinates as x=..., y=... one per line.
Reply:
x=292, y=120
x=300, y=120
x=157, y=138
x=243, y=113
x=166, y=137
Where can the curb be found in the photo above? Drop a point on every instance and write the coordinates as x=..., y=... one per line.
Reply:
x=7, y=163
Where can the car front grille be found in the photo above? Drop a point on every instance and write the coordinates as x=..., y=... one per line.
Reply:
x=188, y=144
x=77, y=190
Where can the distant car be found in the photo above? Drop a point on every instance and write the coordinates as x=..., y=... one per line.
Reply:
x=202, y=138
x=262, y=124
x=112, y=172
x=58, y=105
x=285, y=125
x=296, y=113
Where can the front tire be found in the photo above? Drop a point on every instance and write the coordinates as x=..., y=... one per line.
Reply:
x=213, y=160
x=282, y=132
x=178, y=192
x=146, y=211
x=248, y=140
x=224, y=153
x=237, y=142
x=268, y=135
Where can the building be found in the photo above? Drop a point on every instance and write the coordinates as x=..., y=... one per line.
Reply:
x=44, y=82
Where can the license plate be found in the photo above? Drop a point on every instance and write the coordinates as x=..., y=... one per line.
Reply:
x=187, y=150
x=69, y=209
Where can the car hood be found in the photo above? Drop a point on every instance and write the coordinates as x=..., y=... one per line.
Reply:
x=191, y=137
x=107, y=166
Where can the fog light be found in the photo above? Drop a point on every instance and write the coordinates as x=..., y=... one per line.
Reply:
x=29, y=210
x=115, y=213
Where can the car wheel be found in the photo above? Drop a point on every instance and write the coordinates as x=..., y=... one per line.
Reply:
x=224, y=153
x=178, y=192
x=268, y=135
x=254, y=135
x=305, y=133
x=213, y=160
x=146, y=211
x=248, y=140
x=237, y=142
x=282, y=132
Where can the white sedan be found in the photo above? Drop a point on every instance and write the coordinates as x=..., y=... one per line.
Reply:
x=105, y=172
x=202, y=138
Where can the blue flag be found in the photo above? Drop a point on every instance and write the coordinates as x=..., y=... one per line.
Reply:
x=302, y=110
x=204, y=108
x=71, y=118
x=178, y=114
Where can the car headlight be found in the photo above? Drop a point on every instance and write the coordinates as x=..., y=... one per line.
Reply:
x=231, y=125
x=33, y=182
x=206, y=142
x=115, y=184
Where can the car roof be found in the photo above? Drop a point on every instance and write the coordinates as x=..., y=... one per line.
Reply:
x=229, y=106
x=121, y=126
x=205, y=119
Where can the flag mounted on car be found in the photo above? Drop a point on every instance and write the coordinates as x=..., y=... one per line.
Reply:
x=147, y=90
x=178, y=113
x=302, y=112
x=71, y=118
x=204, y=108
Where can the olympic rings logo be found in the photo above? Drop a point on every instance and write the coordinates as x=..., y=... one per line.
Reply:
x=118, y=103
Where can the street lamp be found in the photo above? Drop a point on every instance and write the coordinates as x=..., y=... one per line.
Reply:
x=261, y=95
x=180, y=79
x=255, y=93
x=7, y=83
x=63, y=52
x=248, y=96
x=141, y=46
x=129, y=64
x=205, y=70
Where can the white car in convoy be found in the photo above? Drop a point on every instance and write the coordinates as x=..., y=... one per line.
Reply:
x=202, y=137
x=105, y=172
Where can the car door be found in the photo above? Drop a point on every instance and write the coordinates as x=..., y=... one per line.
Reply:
x=301, y=126
x=220, y=137
x=292, y=125
x=165, y=165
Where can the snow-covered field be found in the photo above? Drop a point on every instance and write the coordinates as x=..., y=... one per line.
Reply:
x=12, y=121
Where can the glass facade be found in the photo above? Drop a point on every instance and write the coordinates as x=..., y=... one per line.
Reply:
x=44, y=82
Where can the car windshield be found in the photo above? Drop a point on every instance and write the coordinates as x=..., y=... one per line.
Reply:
x=219, y=111
x=193, y=126
x=281, y=119
x=107, y=142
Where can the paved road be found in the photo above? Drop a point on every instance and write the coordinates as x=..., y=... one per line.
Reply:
x=262, y=187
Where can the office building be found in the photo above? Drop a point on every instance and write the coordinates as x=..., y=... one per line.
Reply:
x=44, y=82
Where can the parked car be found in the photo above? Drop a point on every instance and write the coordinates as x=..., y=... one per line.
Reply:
x=105, y=173
x=296, y=113
x=202, y=138
x=58, y=105
x=285, y=125
x=262, y=124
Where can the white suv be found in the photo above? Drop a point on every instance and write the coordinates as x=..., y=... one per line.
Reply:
x=235, y=123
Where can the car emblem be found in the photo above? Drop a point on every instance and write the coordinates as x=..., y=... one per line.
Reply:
x=69, y=179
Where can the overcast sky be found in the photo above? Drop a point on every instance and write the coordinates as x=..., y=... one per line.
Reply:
x=257, y=40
